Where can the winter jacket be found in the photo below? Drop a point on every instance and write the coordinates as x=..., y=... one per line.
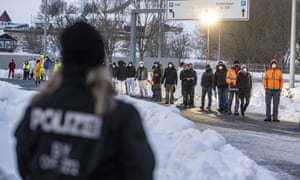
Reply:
x=244, y=84
x=61, y=138
x=273, y=79
x=142, y=73
x=156, y=75
x=187, y=78
x=37, y=69
x=220, y=77
x=170, y=76
x=11, y=65
x=122, y=72
x=130, y=71
x=231, y=76
x=26, y=66
x=207, y=79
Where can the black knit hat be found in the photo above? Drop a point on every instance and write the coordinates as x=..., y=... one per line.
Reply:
x=236, y=62
x=82, y=47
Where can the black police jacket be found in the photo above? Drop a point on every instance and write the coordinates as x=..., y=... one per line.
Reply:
x=60, y=138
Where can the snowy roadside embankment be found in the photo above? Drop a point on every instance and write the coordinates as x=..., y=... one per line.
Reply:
x=182, y=151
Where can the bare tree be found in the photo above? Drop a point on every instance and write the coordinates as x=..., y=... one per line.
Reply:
x=265, y=36
x=108, y=16
x=179, y=45
x=150, y=23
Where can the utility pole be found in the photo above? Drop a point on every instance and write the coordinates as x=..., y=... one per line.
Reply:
x=45, y=27
x=293, y=44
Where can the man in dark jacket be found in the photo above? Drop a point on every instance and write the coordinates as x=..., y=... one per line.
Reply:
x=244, y=84
x=121, y=77
x=195, y=79
x=74, y=128
x=170, y=81
x=187, y=77
x=156, y=77
x=207, y=85
x=220, y=83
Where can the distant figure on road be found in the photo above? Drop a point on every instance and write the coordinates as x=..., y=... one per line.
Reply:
x=244, y=84
x=170, y=80
x=142, y=77
x=37, y=72
x=74, y=128
x=207, y=83
x=231, y=77
x=57, y=66
x=222, y=86
x=273, y=83
x=130, y=82
x=26, y=69
x=11, y=69
x=47, y=66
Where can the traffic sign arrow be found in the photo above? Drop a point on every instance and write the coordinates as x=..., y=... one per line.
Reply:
x=243, y=12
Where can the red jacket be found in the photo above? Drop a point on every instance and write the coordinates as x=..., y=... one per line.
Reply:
x=11, y=65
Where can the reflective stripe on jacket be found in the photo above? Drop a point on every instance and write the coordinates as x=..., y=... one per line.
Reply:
x=231, y=77
x=273, y=79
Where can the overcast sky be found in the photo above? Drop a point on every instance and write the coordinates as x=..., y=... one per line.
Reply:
x=22, y=11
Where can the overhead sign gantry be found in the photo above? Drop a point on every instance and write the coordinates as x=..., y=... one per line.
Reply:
x=227, y=10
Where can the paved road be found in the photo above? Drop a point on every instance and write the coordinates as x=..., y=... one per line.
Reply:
x=25, y=84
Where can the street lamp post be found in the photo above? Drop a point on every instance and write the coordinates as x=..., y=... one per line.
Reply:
x=209, y=17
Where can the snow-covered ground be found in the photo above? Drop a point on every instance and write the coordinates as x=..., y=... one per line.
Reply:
x=182, y=151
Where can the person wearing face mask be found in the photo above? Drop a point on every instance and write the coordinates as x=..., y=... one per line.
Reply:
x=273, y=83
x=142, y=77
x=130, y=83
x=222, y=87
x=170, y=81
x=231, y=76
x=244, y=84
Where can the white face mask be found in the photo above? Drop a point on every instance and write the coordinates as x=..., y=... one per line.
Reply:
x=220, y=67
x=170, y=65
x=274, y=66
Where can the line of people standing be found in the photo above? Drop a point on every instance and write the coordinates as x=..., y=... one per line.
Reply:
x=231, y=86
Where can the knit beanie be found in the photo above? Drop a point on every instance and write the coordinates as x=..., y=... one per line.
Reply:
x=236, y=62
x=82, y=47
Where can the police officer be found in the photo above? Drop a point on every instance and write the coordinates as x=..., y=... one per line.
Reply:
x=74, y=128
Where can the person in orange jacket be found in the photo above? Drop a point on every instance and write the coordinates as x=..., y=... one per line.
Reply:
x=231, y=77
x=273, y=83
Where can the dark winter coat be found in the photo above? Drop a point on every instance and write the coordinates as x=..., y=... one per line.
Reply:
x=122, y=72
x=170, y=76
x=142, y=73
x=130, y=71
x=244, y=84
x=207, y=79
x=187, y=78
x=220, y=77
x=60, y=140
x=114, y=71
x=157, y=75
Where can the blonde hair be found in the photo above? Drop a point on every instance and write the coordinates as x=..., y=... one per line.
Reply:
x=99, y=81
